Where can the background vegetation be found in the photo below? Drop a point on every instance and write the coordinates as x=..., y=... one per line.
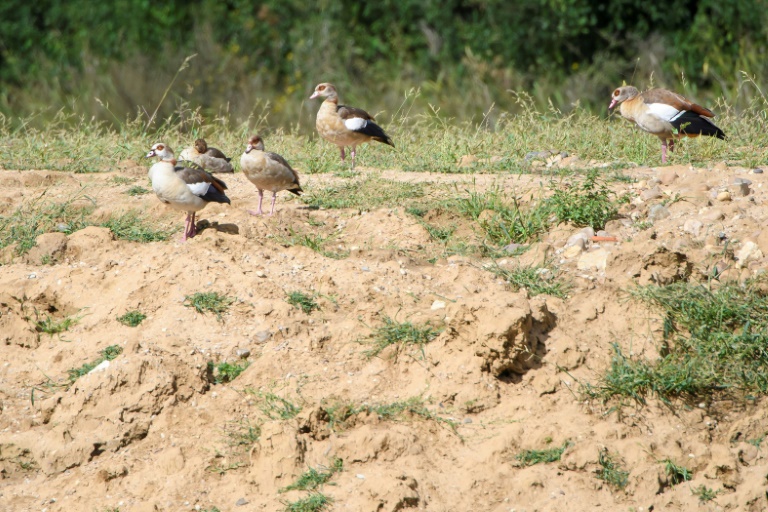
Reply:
x=106, y=59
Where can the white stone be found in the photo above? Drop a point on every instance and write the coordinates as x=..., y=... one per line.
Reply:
x=593, y=260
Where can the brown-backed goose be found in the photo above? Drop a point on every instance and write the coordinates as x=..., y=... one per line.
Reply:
x=268, y=171
x=210, y=159
x=183, y=188
x=345, y=126
x=665, y=114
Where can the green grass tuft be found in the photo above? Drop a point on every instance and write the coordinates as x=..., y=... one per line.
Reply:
x=611, y=472
x=137, y=190
x=51, y=326
x=226, y=372
x=704, y=493
x=677, y=474
x=134, y=227
x=132, y=318
x=584, y=204
x=365, y=194
x=537, y=280
x=209, y=302
x=532, y=457
x=340, y=413
x=108, y=354
x=302, y=301
x=315, y=502
x=715, y=342
x=392, y=332
x=276, y=407
x=314, y=478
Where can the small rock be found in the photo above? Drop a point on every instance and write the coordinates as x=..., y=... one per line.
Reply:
x=467, y=420
x=538, y=155
x=579, y=239
x=723, y=196
x=740, y=187
x=241, y=502
x=100, y=367
x=658, y=212
x=243, y=353
x=757, y=171
x=360, y=476
x=667, y=176
x=651, y=193
x=597, y=259
x=749, y=251
x=588, y=232
x=713, y=216
x=262, y=336
x=603, y=233
x=260, y=273
x=693, y=226
x=438, y=304
x=512, y=248
x=573, y=251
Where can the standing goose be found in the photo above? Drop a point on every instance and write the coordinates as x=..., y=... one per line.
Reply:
x=268, y=171
x=182, y=188
x=210, y=159
x=665, y=114
x=345, y=126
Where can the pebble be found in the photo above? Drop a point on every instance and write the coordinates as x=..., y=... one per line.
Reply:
x=438, y=304
x=651, y=193
x=260, y=273
x=243, y=353
x=757, y=171
x=693, y=226
x=723, y=196
x=749, y=251
x=241, y=502
x=262, y=336
x=512, y=248
x=573, y=251
x=740, y=187
x=577, y=240
x=658, y=212
x=593, y=259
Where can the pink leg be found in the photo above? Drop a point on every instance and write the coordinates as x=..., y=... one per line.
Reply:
x=192, y=226
x=353, y=153
x=672, y=144
x=274, y=197
x=186, y=228
x=343, y=155
x=664, y=152
x=261, y=198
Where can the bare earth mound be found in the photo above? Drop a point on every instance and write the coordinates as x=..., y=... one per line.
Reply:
x=437, y=426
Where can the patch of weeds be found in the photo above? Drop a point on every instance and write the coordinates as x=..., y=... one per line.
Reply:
x=316, y=242
x=364, y=194
x=315, y=502
x=137, y=190
x=108, y=354
x=51, y=326
x=313, y=478
x=532, y=457
x=226, y=372
x=223, y=468
x=209, y=302
x=610, y=471
x=26, y=223
x=756, y=442
x=276, y=407
x=133, y=226
x=515, y=225
x=585, y=204
x=121, y=180
x=132, y=318
x=537, y=280
x=704, y=493
x=242, y=433
x=677, y=474
x=302, y=301
x=715, y=342
x=441, y=234
x=340, y=413
x=416, y=211
x=392, y=332
x=642, y=225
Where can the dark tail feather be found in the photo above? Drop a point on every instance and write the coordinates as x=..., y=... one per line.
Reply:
x=228, y=160
x=692, y=124
x=215, y=196
x=376, y=133
x=297, y=191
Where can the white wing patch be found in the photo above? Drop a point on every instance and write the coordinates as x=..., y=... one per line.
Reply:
x=664, y=111
x=355, y=123
x=200, y=188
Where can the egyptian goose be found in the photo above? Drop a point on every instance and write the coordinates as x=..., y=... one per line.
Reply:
x=665, y=114
x=182, y=188
x=268, y=171
x=210, y=159
x=345, y=126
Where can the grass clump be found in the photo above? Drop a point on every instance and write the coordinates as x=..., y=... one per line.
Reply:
x=132, y=318
x=314, y=478
x=209, y=302
x=50, y=325
x=677, y=474
x=314, y=241
x=340, y=413
x=226, y=372
x=137, y=190
x=704, y=493
x=108, y=354
x=610, y=471
x=585, y=204
x=392, y=332
x=304, y=302
x=715, y=342
x=26, y=223
x=537, y=280
x=133, y=227
x=365, y=194
x=532, y=457
x=276, y=407
x=315, y=502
